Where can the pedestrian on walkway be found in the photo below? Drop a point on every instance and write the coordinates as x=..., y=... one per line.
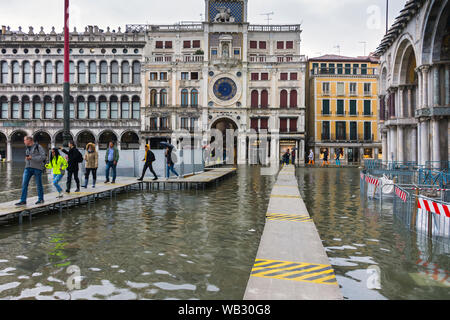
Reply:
x=74, y=159
x=311, y=157
x=325, y=158
x=58, y=165
x=169, y=163
x=34, y=165
x=293, y=156
x=338, y=157
x=286, y=156
x=91, y=158
x=111, y=160
x=149, y=158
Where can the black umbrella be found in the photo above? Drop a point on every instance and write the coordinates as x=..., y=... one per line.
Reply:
x=167, y=145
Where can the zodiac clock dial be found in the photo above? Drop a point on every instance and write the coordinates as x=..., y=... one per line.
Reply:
x=225, y=89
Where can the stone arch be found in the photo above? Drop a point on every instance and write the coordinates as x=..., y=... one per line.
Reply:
x=58, y=138
x=383, y=79
x=408, y=65
x=435, y=31
x=105, y=137
x=223, y=123
x=17, y=146
x=403, y=45
x=83, y=138
x=3, y=145
x=43, y=138
x=129, y=140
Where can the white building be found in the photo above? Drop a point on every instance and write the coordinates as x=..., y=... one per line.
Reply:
x=105, y=76
x=225, y=73
x=414, y=84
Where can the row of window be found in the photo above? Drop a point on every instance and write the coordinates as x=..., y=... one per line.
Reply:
x=187, y=98
x=261, y=99
x=79, y=109
x=38, y=73
x=280, y=45
x=352, y=107
x=340, y=68
x=187, y=44
x=60, y=51
x=340, y=88
x=262, y=123
x=265, y=76
x=162, y=123
x=341, y=131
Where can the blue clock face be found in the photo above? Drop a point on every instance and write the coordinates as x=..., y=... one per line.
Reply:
x=225, y=89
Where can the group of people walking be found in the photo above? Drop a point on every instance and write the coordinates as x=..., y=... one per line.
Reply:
x=325, y=160
x=287, y=156
x=36, y=163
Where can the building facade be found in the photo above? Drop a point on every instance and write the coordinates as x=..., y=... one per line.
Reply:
x=415, y=84
x=224, y=73
x=343, y=108
x=105, y=76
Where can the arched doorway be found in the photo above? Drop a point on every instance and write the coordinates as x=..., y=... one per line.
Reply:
x=59, y=139
x=129, y=141
x=44, y=139
x=17, y=146
x=3, y=145
x=83, y=138
x=224, y=124
x=105, y=138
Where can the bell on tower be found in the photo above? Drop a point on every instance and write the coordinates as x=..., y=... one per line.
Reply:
x=226, y=11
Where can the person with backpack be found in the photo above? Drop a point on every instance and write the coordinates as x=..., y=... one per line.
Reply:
x=325, y=158
x=91, y=158
x=58, y=165
x=35, y=158
x=311, y=157
x=170, y=163
x=148, y=159
x=111, y=159
x=74, y=158
x=338, y=157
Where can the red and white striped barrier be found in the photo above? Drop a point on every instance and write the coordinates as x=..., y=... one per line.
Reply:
x=373, y=181
x=401, y=194
x=434, y=207
x=362, y=176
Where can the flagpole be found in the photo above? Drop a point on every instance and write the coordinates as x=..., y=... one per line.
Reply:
x=66, y=133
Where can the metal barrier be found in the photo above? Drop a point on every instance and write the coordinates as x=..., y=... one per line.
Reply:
x=433, y=217
x=402, y=205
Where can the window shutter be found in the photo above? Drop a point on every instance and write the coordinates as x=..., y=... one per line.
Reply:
x=196, y=44
x=262, y=45
x=253, y=44
x=293, y=75
x=186, y=44
x=289, y=44
x=280, y=45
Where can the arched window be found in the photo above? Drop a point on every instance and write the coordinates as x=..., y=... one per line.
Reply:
x=184, y=97
x=254, y=99
x=264, y=99
x=37, y=107
x=103, y=107
x=81, y=106
x=37, y=72
x=71, y=108
x=114, y=72
x=293, y=102
x=125, y=108
x=103, y=72
x=136, y=108
x=92, y=107
x=59, y=72
x=26, y=66
x=194, y=98
x=114, y=105
x=48, y=72
x=4, y=72
x=3, y=108
x=92, y=72
x=125, y=72
x=59, y=107
x=48, y=108
x=283, y=99
x=26, y=107
x=71, y=72
x=15, y=107
x=153, y=98
x=15, y=72
x=136, y=72
x=81, y=72
x=163, y=97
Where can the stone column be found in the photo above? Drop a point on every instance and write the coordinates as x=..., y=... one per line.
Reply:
x=54, y=72
x=393, y=151
x=424, y=143
x=401, y=107
x=388, y=150
x=419, y=88
x=436, y=142
x=400, y=144
x=413, y=156
x=419, y=143
x=425, y=87
x=436, y=86
x=410, y=103
x=8, y=150
x=384, y=146
x=447, y=84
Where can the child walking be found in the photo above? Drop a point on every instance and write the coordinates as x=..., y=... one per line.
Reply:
x=58, y=164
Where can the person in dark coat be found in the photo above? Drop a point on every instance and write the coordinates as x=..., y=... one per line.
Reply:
x=149, y=158
x=325, y=158
x=74, y=159
x=170, y=164
x=286, y=157
x=293, y=157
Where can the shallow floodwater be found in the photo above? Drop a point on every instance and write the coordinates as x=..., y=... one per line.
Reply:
x=202, y=244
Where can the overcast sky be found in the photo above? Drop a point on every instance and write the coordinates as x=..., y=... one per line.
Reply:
x=325, y=23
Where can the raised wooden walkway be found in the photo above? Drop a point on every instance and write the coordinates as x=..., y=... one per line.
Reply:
x=8, y=210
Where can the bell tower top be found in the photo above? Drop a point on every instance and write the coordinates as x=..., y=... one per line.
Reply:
x=226, y=11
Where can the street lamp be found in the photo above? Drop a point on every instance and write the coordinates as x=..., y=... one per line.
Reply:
x=66, y=86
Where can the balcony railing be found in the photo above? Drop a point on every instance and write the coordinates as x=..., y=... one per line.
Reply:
x=352, y=138
x=274, y=28
x=169, y=58
x=277, y=58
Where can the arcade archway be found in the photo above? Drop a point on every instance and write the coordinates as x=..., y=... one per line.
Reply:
x=224, y=124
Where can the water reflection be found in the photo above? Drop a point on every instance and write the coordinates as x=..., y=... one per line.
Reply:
x=357, y=235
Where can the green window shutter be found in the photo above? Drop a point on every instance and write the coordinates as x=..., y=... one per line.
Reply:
x=348, y=68
x=355, y=68
x=364, y=69
x=325, y=106
x=367, y=107
x=353, y=107
x=339, y=68
x=340, y=107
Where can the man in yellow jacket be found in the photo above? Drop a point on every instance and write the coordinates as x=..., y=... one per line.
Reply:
x=58, y=164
